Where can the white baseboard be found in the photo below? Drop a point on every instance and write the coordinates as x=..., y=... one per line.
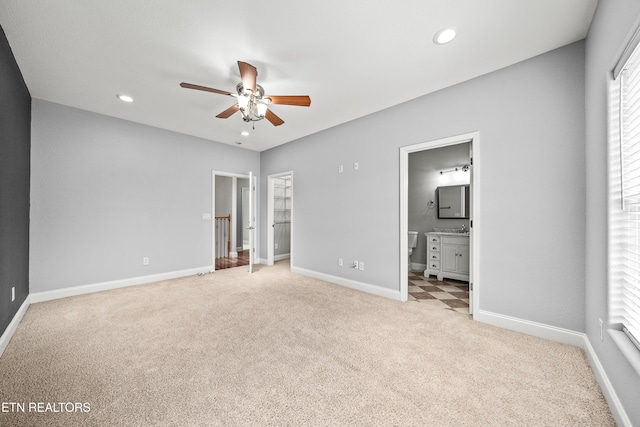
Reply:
x=353, y=284
x=281, y=257
x=540, y=330
x=114, y=284
x=418, y=267
x=11, y=329
x=564, y=336
x=617, y=410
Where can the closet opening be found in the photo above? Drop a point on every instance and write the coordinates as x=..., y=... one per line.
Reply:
x=279, y=217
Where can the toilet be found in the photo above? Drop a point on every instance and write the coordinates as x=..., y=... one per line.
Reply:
x=413, y=242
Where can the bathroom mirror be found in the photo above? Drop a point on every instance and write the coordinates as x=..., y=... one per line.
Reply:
x=453, y=201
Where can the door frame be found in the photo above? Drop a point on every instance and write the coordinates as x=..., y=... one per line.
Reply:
x=474, y=236
x=270, y=217
x=245, y=191
x=233, y=204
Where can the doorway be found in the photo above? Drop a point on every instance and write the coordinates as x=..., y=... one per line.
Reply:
x=279, y=217
x=431, y=208
x=233, y=220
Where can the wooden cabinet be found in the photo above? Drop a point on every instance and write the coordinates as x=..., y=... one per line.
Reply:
x=447, y=256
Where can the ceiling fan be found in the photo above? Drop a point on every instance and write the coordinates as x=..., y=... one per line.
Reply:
x=252, y=102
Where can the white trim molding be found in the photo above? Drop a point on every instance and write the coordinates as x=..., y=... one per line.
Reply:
x=563, y=336
x=540, y=330
x=615, y=406
x=348, y=283
x=13, y=325
x=114, y=284
x=418, y=267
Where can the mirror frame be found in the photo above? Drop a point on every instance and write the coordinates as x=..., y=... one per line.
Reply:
x=466, y=213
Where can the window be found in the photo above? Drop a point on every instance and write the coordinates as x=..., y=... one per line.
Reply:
x=624, y=195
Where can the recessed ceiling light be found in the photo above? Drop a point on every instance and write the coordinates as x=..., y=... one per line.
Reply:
x=444, y=36
x=124, y=98
x=244, y=133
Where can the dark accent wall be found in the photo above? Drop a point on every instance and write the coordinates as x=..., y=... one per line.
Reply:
x=15, y=152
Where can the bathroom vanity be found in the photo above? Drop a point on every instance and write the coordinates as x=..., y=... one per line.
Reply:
x=447, y=255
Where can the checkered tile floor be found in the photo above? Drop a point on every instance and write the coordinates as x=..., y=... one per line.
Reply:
x=450, y=294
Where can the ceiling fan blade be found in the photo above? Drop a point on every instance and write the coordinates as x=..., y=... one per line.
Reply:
x=248, y=73
x=302, y=100
x=271, y=116
x=206, y=89
x=228, y=112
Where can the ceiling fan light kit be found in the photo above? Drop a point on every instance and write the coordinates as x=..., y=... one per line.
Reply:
x=252, y=104
x=251, y=101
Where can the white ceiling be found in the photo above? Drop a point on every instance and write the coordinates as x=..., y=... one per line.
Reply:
x=352, y=58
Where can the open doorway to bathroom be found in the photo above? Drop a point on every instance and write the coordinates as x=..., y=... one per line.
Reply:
x=438, y=199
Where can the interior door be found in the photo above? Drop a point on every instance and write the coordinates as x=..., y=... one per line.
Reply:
x=246, y=218
x=471, y=233
x=252, y=221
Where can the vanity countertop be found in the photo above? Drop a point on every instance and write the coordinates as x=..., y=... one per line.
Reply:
x=448, y=233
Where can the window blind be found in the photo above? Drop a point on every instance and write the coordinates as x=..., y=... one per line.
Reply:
x=624, y=212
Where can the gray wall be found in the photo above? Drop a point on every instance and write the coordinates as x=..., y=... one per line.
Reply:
x=424, y=178
x=106, y=192
x=613, y=24
x=531, y=153
x=15, y=129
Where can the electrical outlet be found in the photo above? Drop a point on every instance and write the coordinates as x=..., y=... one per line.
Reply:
x=340, y=262
x=340, y=168
x=145, y=260
x=601, y=328
x=356, y=166
x=361, y=266
x=13, y=293
x=275, y=245
x=355, y=265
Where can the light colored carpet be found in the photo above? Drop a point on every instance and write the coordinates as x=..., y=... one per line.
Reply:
x=274, y=348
